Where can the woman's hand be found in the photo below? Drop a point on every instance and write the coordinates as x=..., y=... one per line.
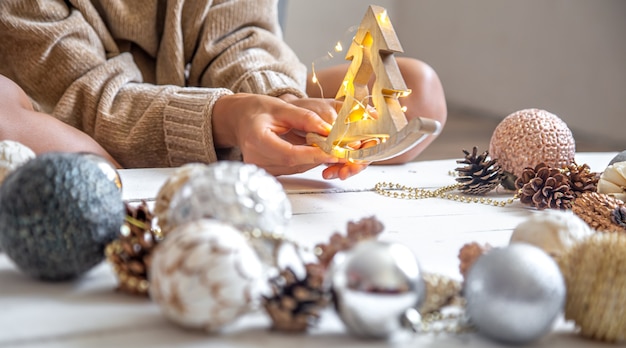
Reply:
x=261, y=125
x=327, y=110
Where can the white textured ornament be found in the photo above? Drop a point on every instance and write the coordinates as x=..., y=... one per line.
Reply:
x=204, y=275
x=553, y=231
x=13, y=155
x=243, y=195
x=374, y=284
x=613, y=181
x=173, y=183
x=514, y=293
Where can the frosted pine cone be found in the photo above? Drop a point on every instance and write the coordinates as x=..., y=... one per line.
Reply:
x=440, y=292
x=480, y=175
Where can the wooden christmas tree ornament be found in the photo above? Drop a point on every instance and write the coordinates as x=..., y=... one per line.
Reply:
x=387, y=132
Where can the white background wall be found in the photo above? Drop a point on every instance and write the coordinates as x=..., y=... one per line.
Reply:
x=498, y=56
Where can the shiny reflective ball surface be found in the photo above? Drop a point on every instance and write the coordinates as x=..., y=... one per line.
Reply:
x=373, y=285
x=514, y=293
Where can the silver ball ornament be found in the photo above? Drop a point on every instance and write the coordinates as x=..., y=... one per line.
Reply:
x=515, y=293
x=373, y=285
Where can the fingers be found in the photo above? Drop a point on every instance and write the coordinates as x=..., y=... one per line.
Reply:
x=342, y=171
x=325, y=108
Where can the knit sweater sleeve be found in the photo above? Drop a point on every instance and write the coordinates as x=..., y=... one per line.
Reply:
x=251, y=58
x=67, y=60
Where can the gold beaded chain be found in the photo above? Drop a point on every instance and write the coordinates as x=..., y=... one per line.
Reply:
x=390, y=189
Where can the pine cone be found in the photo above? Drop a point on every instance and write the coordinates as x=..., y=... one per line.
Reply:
x=468, y=254
x=366, y=228
x=440, y=291
x=582, y=179
x=295, y=303
x=597, y=210
x=480, y=175
x=545, y=187
x=129, y=255
x=619, y=216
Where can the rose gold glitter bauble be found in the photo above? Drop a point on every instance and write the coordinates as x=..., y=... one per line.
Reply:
x=528, y=137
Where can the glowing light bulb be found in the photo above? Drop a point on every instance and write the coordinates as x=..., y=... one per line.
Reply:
x=338, y=47
x=383, y=17
x=314, y=78
x=404, y=108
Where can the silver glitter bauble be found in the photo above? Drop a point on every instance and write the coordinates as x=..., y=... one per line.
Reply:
x=242, y=195
x=620, y=157
x=13, y=155
x=373, y=285
x=58, y=211
x=515, y=293
x=204, y=275
x=106, y=167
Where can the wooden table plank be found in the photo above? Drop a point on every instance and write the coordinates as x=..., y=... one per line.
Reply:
x=88, y=312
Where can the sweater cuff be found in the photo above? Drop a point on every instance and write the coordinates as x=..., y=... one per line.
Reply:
x=187, y=125
x=269, y=83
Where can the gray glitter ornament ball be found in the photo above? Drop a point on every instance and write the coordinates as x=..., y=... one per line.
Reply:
x=57, y=213
x=620, y=157
x=373, y=285
x=242, y=195
x=515, y=293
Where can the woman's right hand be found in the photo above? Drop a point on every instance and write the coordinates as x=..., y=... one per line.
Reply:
x=256, y=124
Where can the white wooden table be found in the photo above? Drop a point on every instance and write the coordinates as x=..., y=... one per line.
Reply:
x=88, y=312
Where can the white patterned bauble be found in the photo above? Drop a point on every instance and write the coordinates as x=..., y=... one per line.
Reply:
x=240, y=194
x=204, y=275
x=169, y=188
x=554, y=231
x=13, y=155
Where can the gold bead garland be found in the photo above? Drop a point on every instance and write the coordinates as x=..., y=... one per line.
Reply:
x=390, y=189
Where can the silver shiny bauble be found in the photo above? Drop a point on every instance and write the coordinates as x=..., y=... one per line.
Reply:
x=514, y=293
x=242, y=195
x=620, y=157
x=373, y=285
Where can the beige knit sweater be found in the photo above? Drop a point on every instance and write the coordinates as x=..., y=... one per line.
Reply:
x=141, y=76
